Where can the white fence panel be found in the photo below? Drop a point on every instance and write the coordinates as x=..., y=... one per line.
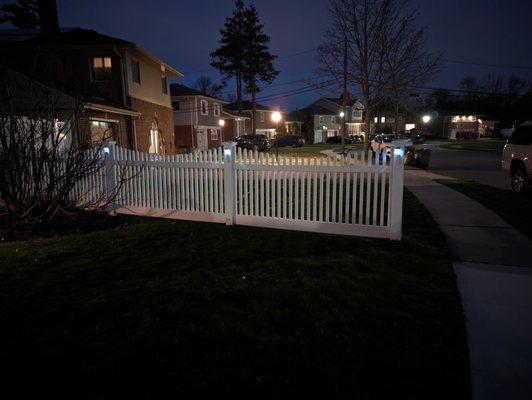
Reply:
x=359, y=194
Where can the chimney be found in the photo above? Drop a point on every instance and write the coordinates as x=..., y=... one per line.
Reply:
x=48, y=17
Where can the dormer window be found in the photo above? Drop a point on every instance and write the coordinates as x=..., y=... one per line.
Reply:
x=102, y=69
x=216, y=109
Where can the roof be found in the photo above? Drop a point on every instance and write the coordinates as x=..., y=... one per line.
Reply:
x=233, y=114
x=72, y=38
x=247, y=106
x=177, y=90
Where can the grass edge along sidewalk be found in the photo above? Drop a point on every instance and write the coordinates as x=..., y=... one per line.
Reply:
x=187, y=307
x=513, y=208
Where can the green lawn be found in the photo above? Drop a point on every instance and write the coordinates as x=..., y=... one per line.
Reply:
x=313, y=150
x=203, y=309
x=513, y=208
x=489, y=145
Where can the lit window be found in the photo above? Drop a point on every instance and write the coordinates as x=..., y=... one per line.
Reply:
x=204, y=109
x=102, y=68
x=135, y=71
x=216, y=109
x=357, y=114
x=383, y=120
x=376, y=120
x=164, y=84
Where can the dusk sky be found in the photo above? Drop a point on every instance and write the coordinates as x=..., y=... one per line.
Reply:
x=183, y=33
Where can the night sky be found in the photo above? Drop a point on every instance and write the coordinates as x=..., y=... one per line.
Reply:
x=184, y=32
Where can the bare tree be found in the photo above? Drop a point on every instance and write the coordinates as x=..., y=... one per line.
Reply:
x=408, y=62
x=47, y=161
x=378, y=33
x=205, y=85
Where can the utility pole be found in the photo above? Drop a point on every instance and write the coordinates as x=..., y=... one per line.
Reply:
x=344, y=98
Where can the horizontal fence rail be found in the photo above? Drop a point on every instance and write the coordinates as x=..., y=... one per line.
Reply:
x=359, y=194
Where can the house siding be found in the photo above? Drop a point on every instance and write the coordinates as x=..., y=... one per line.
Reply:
x=151, y=112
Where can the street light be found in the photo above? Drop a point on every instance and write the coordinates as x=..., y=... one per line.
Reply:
x=276, y=117
x=342, y=114
x=426, y=119
x=221, y=122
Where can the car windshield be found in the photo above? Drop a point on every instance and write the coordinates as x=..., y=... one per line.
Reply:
x=387, y=138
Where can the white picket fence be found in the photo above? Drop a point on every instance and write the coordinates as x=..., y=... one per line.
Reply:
x=355, y=195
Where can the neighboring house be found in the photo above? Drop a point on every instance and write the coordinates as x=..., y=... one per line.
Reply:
x=234, y=124
x=122, y=88
x=264, y=122
x=196, y=118
x=326, y=120
x=385, y=120
x=452, y=123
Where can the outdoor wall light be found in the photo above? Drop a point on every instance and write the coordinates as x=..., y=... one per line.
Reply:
x=221, y=122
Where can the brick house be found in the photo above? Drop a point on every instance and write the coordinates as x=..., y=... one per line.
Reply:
x=123, y=88
x=234, y=124
x=196, y=118
x=264, y=122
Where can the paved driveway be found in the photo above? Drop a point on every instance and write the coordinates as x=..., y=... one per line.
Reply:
x=479, y=166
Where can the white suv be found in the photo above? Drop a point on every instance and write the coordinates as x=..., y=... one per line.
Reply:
x=517, y=157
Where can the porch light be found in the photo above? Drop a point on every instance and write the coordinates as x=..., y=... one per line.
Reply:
x=221, y=122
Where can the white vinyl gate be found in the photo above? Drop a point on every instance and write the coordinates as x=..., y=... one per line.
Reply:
x=357, y=195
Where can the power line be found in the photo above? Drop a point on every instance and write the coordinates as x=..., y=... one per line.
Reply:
x=488, y=65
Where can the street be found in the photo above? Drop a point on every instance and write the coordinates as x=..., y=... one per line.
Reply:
x=479, y=166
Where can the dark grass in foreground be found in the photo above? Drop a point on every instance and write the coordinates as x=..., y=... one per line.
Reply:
x=513, y=208
x=489, y=145
x=193, y=308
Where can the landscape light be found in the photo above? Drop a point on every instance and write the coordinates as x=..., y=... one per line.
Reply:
x=426, y=119
x=276, y=116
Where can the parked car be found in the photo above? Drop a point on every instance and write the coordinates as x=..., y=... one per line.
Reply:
x=385, y=143
x=517, y=157
x=334, y=140
x=252, y=142
x=416, y=138
x=291, y=140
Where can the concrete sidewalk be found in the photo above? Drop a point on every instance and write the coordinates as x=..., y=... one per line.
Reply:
x=495, y=285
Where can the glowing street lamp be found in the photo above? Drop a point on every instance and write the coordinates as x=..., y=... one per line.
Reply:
x=342, y=114
x=426, y=119
x=276, y=117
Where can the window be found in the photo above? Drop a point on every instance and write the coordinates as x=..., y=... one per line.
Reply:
x=102, y=68
x=214, y=134
x=176, y=105
x=216, y=109
x=261, y=116
x=376, y=119
x=383, y=120
x=521, y=136
x=320, y=119
x=103, y=130
x=357, y=114
x=204, y=109
x=333, y=119
x=135, y=71
x=164, y=84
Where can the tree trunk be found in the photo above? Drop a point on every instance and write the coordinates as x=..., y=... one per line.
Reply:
x=254, y=107
x=239, y=92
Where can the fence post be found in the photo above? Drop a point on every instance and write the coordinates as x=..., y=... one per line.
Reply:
x=229, y=182
x=396, y=192
x=110, y=176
